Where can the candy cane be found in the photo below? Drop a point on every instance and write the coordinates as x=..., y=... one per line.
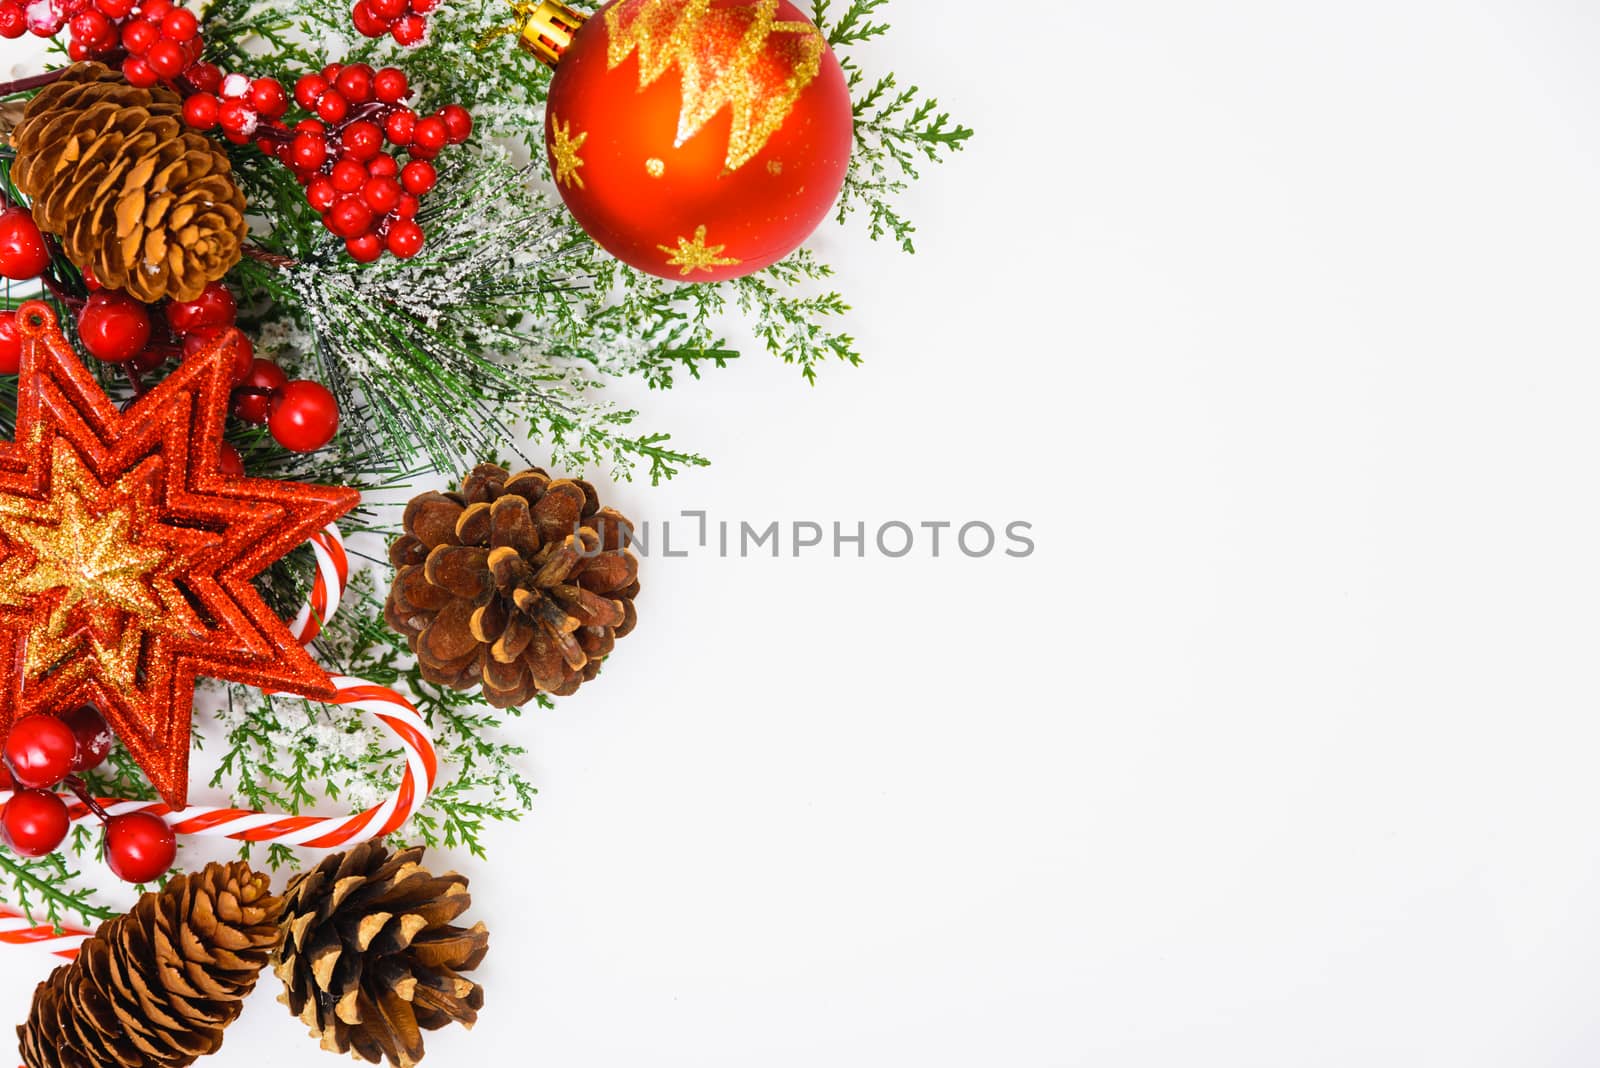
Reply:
x=16, y=929
x=333, y=574
x=380, y=703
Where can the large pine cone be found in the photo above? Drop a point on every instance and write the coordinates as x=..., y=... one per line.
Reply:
x=370, y=959
x=157, y=985
x=146, y=204
x=519, y=583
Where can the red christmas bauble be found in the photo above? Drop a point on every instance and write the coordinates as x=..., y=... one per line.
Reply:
x=699, y=140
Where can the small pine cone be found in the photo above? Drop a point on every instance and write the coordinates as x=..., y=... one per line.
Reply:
x=147, y=205
x=519, y=583
x=370, y=959
x=156, y=987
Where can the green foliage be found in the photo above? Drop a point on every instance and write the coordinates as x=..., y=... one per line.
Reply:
x=507, y=330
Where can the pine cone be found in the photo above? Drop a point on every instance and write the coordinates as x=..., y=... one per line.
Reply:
x=147, y=205
x=518, y=583
x=370, y=958
x=157, y=986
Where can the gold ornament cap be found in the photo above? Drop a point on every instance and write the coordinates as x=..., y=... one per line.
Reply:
x=545, y=30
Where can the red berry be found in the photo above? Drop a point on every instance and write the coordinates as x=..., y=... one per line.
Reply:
x=268, y=98
x=408, y=207
x=115, y=9
x=422, y=7
x=305, y=416
x=332, y=107
x=13, y=23
x=331, y=72
x=431, y=134
x=321, y=194
x=349, y=218
x=367, y=24
x=355, y=81
x=381, y=194
x=114, y=327
x=389, y=10
x=206, y=77
x=230, y=463
x=214, y=306
x=264, y=379
x=348, y=176
x=34, y=823
x=365, y=249
x=92, y=737
x=400, y=126
x=409, y=30
x=457, y=122
x=39, y=751
x=405, y=239
x=179, y=25
x=138, y=36
x=7, y=783
x=10, y=344
x=361, y=140
x=23, y=252
x=390, y=85
x=93, y=29
x=155, y=10
x=150, y=359
x=166, y=58
x=308, y=151
x=383, y=166
x=140, y=848
x=139, y=74
x=236, y=117
x=308, y=89
x=418, y=177
x=200, y=111
x=77, y=51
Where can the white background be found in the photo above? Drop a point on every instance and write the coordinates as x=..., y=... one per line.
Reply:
x=1277, y=319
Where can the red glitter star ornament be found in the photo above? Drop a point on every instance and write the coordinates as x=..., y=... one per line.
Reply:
x=126, y=553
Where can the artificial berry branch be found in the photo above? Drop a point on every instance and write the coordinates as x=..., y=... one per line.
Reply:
x=345, y=152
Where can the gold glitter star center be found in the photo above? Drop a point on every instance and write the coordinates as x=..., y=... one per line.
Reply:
x=564, y=156
x=95, y=560
x=696, y=255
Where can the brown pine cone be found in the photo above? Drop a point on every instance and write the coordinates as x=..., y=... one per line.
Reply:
x=370, y=959
x=158, y=985
x=146, y=204
x=519, y=583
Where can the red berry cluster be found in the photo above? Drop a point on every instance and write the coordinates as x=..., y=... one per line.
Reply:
x=24, y=254
x=162, y=41
x=404, y=20
x=302, y=416
x=234, y=102
x=40, y=753
x=363, y=193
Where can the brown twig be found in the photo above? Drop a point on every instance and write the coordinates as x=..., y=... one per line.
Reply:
x=36, y=81
x=271, y=259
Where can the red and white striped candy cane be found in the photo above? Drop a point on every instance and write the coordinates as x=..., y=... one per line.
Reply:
x=17, y=930
x=333, y=574
x=381, y=703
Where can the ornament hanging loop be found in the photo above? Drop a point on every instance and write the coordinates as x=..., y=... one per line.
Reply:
x=543, y=29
